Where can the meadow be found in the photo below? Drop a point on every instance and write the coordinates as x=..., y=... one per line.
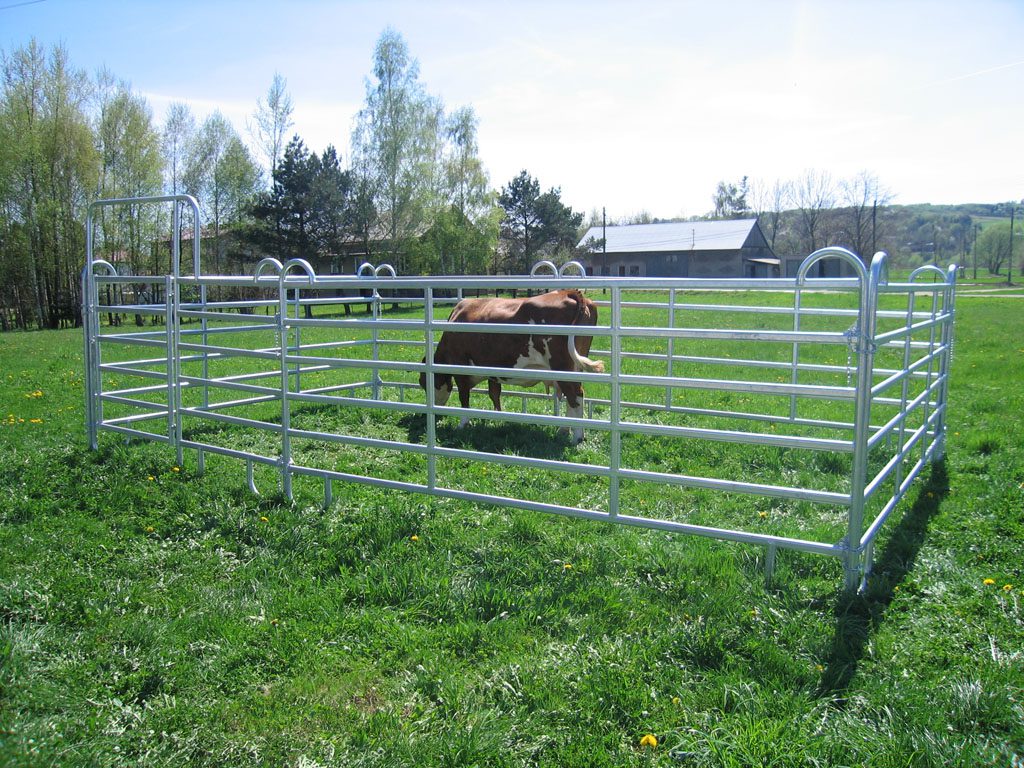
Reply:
x=155, y=616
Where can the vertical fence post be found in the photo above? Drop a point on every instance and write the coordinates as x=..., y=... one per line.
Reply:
x=671, y=345
x=905, y=387
x=428, y=358
x=615, y=395
x=285, y=459
x=171, y=367
x=298, y=341
x=88, y=315
x=856, y=567
x=794, y=377
x=949, y=308
x=374, y=335
x=178, y=409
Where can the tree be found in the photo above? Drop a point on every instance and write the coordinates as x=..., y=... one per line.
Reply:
x=993, y=247
x=731, y=200
x=768, y=204
x=130, y=166
x=175, y=139
x=310, y=208
x=813, y=196
x=395, y=144
x=49, y=163
x=464, y=233
x=221, y=173
x=467, y=186
x=273, y=120
x=860, y=198
x=535, y=224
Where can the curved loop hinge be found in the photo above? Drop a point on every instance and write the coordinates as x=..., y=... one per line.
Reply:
x=276, y=267
x=832, y=252
x=302, y=264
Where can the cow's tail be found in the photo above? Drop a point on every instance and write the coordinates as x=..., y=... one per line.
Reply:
x=583, y=362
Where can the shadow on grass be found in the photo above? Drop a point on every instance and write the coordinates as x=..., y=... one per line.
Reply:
x=858, y=615
x=494, y=437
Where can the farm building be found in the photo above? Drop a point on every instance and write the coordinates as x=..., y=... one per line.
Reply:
x=731, y=248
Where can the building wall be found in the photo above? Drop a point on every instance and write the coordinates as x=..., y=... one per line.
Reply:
x=710, y=264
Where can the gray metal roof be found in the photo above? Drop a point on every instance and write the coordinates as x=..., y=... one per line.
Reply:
x=727, y=235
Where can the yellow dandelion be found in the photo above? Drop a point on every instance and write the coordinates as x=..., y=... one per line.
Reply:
x=989, y=582
x=175, y=469
x=35, y=421
x=149, y=529
x=762, y=515
x=1007, y=587
x=150, y=478
x=676, y=700
x=649, y=740
x=414, y=537
x=819, y=667
x=264, y=519
x=567, y=567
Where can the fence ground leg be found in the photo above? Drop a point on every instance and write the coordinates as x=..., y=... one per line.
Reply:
x=853, y=570
x=769, y=564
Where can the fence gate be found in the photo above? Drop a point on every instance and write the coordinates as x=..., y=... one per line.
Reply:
x=786, y=413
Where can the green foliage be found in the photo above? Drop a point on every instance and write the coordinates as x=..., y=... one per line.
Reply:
x=155, y=616
x=535, y=224
x=454, y=245
x=994, y=248
x=49, y=166
x=309, y=211
x=730, y=200
x=422, y=185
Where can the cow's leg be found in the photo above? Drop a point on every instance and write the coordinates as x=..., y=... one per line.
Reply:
x=494, y=390
x=465, y=385
x=573, y=392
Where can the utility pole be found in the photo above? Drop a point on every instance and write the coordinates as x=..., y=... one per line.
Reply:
x=1009, y=265
x=604, y=239
x=974, y=249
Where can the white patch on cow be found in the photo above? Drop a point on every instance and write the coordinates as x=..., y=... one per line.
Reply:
x=441, y=394
x=532, y=360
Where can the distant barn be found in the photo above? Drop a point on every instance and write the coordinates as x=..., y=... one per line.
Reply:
x=732, y=248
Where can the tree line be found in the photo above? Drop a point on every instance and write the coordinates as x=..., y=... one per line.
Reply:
x=414, y=191
x=814, y=210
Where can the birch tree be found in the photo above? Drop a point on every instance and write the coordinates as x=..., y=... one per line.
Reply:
x=272, y=121
x=49, y=165
x=395, y=143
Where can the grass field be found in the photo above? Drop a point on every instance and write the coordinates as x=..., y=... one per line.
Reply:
x=153, y=616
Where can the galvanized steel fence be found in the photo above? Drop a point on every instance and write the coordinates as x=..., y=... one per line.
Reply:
x=787, y=413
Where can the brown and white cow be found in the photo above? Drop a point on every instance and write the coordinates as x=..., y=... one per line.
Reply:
x=514, y=350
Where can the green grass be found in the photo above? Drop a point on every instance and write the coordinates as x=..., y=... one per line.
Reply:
x=153, y=616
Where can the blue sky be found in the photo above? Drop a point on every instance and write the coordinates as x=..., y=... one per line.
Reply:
x=632, y=106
